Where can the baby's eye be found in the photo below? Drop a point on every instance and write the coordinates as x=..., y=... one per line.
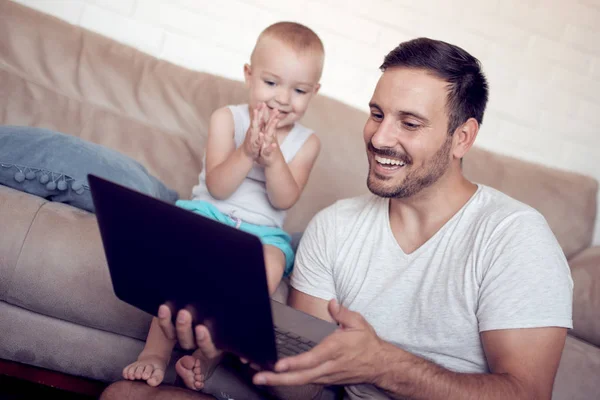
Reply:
x=269, y=83
x=300, y=91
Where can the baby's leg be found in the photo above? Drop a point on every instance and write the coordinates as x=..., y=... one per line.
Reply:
x=152, y=361
x=275, y=265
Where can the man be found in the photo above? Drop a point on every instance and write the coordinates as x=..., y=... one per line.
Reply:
x=457, y=291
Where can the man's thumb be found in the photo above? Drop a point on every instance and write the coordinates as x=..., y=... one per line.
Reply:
x=343, y=316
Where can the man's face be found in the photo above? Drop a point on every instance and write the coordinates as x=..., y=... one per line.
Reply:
x=408, y=145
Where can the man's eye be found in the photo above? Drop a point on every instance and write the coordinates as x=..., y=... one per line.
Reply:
x=376, y=116
x=410, y=126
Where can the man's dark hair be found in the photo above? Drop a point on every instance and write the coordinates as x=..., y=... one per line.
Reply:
x=467, y=86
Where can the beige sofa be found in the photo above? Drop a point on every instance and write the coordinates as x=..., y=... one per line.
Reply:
x=57, y=308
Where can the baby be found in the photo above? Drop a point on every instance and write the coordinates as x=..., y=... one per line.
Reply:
x=258, y=160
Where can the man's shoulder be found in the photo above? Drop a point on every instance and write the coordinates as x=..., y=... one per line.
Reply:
x=495, y=203
x=352, y=207
x=496, y=209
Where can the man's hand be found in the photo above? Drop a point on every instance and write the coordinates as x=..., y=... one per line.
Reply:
x=346, y=356
x=183, y=332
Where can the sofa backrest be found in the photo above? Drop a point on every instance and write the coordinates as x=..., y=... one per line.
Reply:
x=567, y=200
x=62, y=77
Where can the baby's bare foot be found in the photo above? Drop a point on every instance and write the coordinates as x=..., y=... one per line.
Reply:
x=194, y=370
x=147, y=368
x=189, y=370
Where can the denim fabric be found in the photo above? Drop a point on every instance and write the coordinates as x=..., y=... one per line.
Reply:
x=55, y=166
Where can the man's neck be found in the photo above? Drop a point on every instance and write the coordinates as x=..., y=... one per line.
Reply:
x=416, y=219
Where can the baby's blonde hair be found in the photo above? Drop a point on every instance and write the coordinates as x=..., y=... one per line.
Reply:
x=296, y=35
x=299, y=37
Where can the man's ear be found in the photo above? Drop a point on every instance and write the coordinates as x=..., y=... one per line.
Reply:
x=464, y=137
x=247, y=73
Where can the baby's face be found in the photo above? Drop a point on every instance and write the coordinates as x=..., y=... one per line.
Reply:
x=282, y=78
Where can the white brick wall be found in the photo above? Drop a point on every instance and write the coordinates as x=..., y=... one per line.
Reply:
x=542, y=57
x=139, y=34
x=69, y=10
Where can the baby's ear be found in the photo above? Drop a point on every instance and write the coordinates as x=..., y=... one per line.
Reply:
x=317, y=87
x=247, y=73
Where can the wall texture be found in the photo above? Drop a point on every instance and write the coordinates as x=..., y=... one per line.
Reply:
x=542, y=57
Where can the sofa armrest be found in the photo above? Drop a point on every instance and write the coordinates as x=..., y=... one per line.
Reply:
x=585, y=270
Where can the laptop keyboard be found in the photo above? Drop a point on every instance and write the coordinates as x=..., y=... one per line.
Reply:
x=290, y=344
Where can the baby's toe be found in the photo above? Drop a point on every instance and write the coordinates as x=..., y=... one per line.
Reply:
x=147, y=372
x=139, y=370
x=156, y=377
x=131, y=371
x=189, y=362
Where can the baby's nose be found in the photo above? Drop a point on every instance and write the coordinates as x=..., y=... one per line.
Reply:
x=282, y=96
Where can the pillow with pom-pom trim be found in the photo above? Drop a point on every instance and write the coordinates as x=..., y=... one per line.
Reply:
x=55, y=166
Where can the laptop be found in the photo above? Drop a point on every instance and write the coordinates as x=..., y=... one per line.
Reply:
x=159, y=253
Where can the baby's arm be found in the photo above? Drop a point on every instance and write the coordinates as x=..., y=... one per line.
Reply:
x=285, y=182
x=226, y=166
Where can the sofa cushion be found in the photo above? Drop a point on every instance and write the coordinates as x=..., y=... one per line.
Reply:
x=17, y=212
x=54, y=166
x=577, y=377
x=61, y=272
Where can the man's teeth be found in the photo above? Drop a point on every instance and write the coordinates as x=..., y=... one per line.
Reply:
x=389, y=161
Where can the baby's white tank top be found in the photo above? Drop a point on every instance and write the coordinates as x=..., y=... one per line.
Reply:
x=250, y=202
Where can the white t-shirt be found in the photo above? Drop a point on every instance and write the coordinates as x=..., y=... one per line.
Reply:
x=494, y=265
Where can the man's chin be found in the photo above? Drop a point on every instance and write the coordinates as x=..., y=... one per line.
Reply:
x=379, y=188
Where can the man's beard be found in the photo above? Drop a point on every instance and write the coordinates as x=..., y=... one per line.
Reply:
x=415, y=180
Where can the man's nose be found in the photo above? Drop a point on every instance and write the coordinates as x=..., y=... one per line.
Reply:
x=384, y=136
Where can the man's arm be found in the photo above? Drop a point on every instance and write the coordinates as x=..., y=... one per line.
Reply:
x=523, y=362
x=523, y=365
x=309, y=304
